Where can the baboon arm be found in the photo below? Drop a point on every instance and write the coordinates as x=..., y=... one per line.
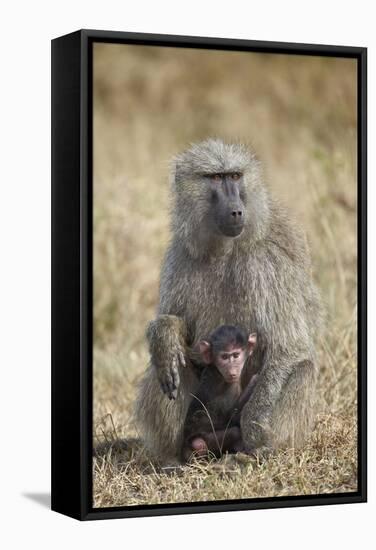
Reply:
x=198, y=418
x=167, y=335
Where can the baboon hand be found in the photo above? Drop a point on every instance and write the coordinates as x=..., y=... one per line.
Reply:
x=168, y=372
x=167, y=335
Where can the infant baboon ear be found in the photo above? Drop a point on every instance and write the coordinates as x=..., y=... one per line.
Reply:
x=252, y=341
x=206, y=351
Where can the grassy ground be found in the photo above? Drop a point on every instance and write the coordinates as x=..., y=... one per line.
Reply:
x=300, y=116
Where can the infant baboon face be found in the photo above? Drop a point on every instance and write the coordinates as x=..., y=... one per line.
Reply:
x=230, y=363
x=227, y=349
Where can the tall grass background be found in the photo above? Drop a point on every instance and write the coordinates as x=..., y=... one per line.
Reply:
x=299, y=113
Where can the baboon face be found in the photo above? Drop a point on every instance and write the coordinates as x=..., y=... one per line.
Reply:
x=228, y=349
x=215, y=188
x=227, y=207
x=230, y=363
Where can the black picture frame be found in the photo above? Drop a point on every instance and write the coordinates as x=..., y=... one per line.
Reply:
x=72, y=272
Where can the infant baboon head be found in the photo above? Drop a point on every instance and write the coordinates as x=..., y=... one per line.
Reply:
x=228, y=348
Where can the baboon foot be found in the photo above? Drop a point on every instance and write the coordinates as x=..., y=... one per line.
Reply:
x=260, y=454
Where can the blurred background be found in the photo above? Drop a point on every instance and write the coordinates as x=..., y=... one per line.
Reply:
x=299, y=114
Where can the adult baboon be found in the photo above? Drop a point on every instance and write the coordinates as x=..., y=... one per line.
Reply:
x=235, y=258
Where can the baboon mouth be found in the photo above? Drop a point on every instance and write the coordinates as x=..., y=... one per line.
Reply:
x=231, y=230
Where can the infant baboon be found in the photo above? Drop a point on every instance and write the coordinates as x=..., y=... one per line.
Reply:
x=235, y=257
x=212, y=424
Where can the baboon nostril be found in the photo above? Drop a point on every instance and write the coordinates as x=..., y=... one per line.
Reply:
x=240, y=213
x=233, y=214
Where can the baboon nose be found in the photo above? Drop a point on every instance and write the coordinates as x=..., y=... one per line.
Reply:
x=233, y=219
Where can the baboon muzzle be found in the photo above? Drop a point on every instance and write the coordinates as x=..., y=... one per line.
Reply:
x=232, y=222
x=230, y=210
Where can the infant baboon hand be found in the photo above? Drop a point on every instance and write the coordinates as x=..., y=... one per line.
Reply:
x=168, y=372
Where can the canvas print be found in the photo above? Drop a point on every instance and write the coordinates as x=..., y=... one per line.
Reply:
x=224, y=275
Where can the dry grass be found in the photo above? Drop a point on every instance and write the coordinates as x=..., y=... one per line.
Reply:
x=124, y=476
x=300, y=115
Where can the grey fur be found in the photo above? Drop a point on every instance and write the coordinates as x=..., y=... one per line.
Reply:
x=260, y=280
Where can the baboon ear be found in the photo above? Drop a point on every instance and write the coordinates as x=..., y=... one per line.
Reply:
x=206, y=352
x=252, y=341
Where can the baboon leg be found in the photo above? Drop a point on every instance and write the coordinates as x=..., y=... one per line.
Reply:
x=292, y=418
x=288, y=420
x=160, y=420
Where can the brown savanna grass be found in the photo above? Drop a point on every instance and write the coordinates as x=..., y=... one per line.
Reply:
x=299, y=113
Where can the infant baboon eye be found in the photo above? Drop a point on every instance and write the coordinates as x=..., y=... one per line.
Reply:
x=217, y=177
x=235, y=175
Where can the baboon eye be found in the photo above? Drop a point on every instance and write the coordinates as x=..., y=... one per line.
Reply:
x=235, y=175
x=217, y=178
